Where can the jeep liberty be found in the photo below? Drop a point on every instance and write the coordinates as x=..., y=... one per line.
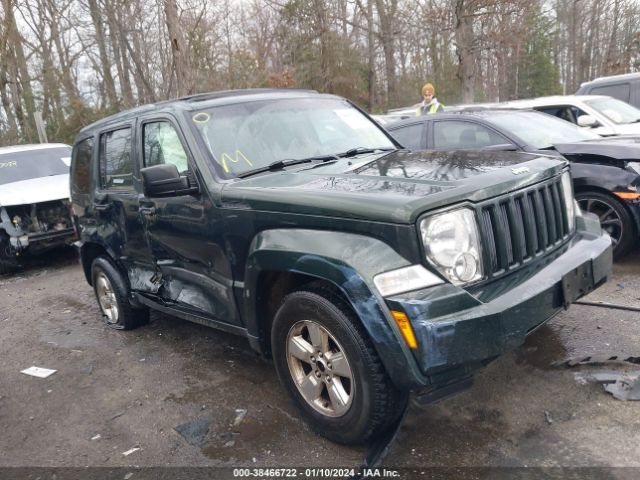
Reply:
x=364, y=270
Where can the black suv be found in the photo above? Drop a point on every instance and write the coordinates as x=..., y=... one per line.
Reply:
x=365, y=271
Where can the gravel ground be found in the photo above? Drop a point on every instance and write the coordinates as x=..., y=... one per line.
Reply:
x=116, y=391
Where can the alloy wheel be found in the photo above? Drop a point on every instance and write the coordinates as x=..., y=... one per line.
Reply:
x=320, y=368
x=107, y=299
x=608, y=215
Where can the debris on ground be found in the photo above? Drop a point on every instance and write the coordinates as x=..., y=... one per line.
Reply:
x=228, y=439
x=240, y=414
x=88, y=370
x=96, y=437
x=117, y=415
x=622, y=385
x=38, y=372
x=598, y=360
x=194, y=432
x=129, y=452
x=547, y=417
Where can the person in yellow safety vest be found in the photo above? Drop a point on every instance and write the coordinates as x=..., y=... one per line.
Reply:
x=430, y=103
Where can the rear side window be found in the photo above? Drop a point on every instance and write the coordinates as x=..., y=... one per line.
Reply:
x=410, y=136
x=81, y=172
x=618, y=90
x=448, y=135
x=116, y=169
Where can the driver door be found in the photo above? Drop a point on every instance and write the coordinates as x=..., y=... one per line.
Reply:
x=184, y=232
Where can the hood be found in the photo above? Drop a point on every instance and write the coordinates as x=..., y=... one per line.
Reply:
x=395, y=187
x=35, y=190
x=624, y=147
x=626, y=129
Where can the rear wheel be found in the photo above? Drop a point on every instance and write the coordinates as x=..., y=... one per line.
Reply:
x=330, y=369
x=112, y=293
x=614, y=218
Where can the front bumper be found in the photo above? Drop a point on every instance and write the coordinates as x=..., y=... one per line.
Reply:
x=458, y=330
x=40, y=242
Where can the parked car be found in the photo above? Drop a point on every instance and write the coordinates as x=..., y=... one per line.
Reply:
x=605, y=172
x=292, y=219
x=623, y=87
x=605, y=116
x=396, y=114
x=34, y=201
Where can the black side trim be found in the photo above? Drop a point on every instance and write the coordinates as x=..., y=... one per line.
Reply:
x=190, y=316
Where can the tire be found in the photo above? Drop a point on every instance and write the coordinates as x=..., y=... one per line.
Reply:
x=347, y=402
x=7, y=263
x=614, y=217
x=112, y=293
x=7, y=267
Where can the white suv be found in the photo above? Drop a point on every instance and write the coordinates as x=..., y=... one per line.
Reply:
x=603, y=115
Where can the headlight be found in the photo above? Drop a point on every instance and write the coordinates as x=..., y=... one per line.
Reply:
x=567, y=194
x=452, y=245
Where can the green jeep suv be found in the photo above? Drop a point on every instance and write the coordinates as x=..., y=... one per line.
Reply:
x=364, y=270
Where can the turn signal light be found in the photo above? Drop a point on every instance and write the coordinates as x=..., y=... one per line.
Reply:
x=627, y=195
x=405, y=327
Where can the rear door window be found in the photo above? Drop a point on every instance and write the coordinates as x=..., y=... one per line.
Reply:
x=81, y=171
x=410, y=136
x=619, y=90
x=116, y=165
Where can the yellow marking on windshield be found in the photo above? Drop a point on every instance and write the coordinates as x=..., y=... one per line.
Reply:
x=202, y=117
x=239, y=155
x=8, y=164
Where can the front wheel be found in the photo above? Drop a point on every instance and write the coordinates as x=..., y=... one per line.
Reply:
x=614, y=218
x=330, y=369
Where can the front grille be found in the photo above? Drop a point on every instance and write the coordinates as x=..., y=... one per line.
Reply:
x=522, y=226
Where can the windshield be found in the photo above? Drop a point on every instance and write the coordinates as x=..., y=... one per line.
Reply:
x=250, y=135
x=28, y=164
x=617, y=111
x=539, y=130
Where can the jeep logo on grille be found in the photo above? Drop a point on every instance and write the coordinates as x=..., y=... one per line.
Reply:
x=519, y=170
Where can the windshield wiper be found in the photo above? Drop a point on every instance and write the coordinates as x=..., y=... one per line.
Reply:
x=360, y=150
x=287, y=162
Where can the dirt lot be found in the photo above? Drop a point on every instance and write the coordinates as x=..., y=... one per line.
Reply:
x=115, y=391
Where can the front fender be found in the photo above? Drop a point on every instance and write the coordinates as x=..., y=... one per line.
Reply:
x=349, y=262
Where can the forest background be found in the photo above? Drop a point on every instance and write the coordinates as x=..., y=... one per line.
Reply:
x=78, y=60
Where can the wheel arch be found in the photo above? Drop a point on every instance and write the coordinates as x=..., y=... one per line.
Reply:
x=89, y=251
x=281, y=261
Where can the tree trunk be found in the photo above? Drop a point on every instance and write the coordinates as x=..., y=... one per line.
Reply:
x=463, y=34
x=107, y=78
x=179, y=50
x=387, y=15
x=23, y=91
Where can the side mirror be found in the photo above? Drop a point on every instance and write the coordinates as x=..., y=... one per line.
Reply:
x=587, y=121
x=165, y=181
